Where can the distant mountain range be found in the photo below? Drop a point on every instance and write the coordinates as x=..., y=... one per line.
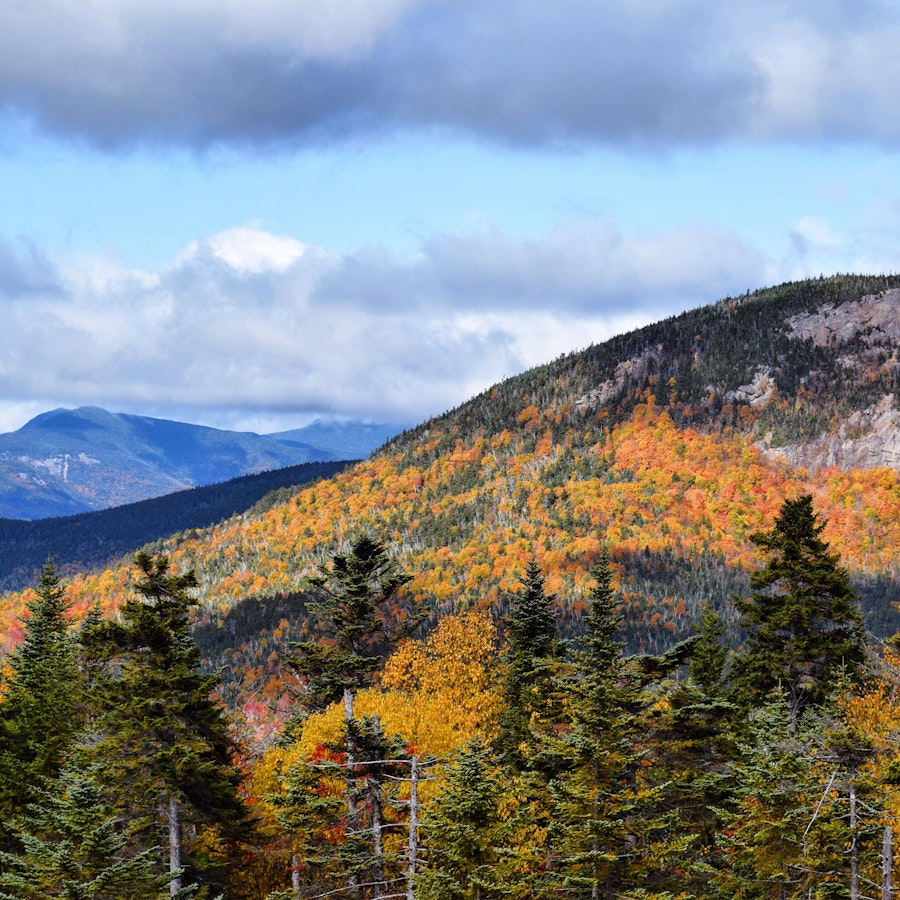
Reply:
x=71, y=461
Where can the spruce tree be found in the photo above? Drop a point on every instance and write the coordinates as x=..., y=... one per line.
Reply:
x=804, y=626
x=596, y=795
x=688, y=734
x=535, y=652
x=159, y=736
x=359, y=615
x=42, y=709
x=352, y=606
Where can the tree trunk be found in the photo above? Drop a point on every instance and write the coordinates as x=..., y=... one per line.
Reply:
x=295, y=874
x=854, y=845
x=887, y=863
x=377, y=838
x=174, y=847
x=352, y=811
x=413, y=828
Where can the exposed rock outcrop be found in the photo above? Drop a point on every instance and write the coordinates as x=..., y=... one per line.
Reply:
x=865, y=440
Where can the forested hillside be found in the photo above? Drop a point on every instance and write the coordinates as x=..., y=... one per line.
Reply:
x=645, y=443
x=629, y=493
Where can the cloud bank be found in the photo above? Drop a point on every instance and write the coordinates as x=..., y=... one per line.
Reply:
x=251, y=323
x=200, y=73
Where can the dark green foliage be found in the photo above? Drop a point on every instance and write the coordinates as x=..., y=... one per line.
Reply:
x=688, y=736
x=789, y=833
x=707, y=665
x=534, y=654
x=73, y=847
x=465, y=831
x=158, y=735
x=352, y=608
x=595, y=795
x=805, y=628
x=42, y=709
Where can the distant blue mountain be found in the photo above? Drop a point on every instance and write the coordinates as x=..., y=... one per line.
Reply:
x=346, y=440
x=71, y=461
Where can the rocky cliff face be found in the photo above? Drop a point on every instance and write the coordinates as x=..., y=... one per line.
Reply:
x=864, y=440
x=867, y=332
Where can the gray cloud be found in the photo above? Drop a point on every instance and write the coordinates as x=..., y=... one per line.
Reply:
x=249, y=322
x=198, y=73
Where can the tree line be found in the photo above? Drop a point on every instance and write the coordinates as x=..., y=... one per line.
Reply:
x=699, y=772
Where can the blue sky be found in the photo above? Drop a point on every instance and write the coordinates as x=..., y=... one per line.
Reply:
x=251, y=214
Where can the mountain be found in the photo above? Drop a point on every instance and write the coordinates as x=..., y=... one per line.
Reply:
x=345, y=440
x=670, y=445
x=67, y=461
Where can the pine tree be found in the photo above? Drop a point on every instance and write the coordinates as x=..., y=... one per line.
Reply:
x=804, y=626
x=42, y=710
x=161, y=740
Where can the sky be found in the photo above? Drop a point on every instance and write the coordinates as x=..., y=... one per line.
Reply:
x=252, y=214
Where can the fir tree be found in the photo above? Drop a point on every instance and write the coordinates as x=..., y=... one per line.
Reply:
x=789, y=831
x=466, y=831
x=803, y=621
x=534, y=654
x=161, y=740
x=352, y=609
x=357, y=612
x=690, y=745
x=595, y=797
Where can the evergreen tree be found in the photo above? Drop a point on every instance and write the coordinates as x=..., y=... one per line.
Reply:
x=709, y=654
x=803, y=621
x=161, y=740
x=41, y=710
x=352, y=609
x=789, y=832
x=596, y=795
x=690, y=745
x=465, y=831
x=534, y=654
x=72, y=847
x=357, y=611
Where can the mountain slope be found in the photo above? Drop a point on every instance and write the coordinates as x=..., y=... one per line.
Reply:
x=70, y=461
x=658, y=444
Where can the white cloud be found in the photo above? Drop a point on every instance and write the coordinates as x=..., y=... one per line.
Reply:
x=254, y=324
x=247, y=250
